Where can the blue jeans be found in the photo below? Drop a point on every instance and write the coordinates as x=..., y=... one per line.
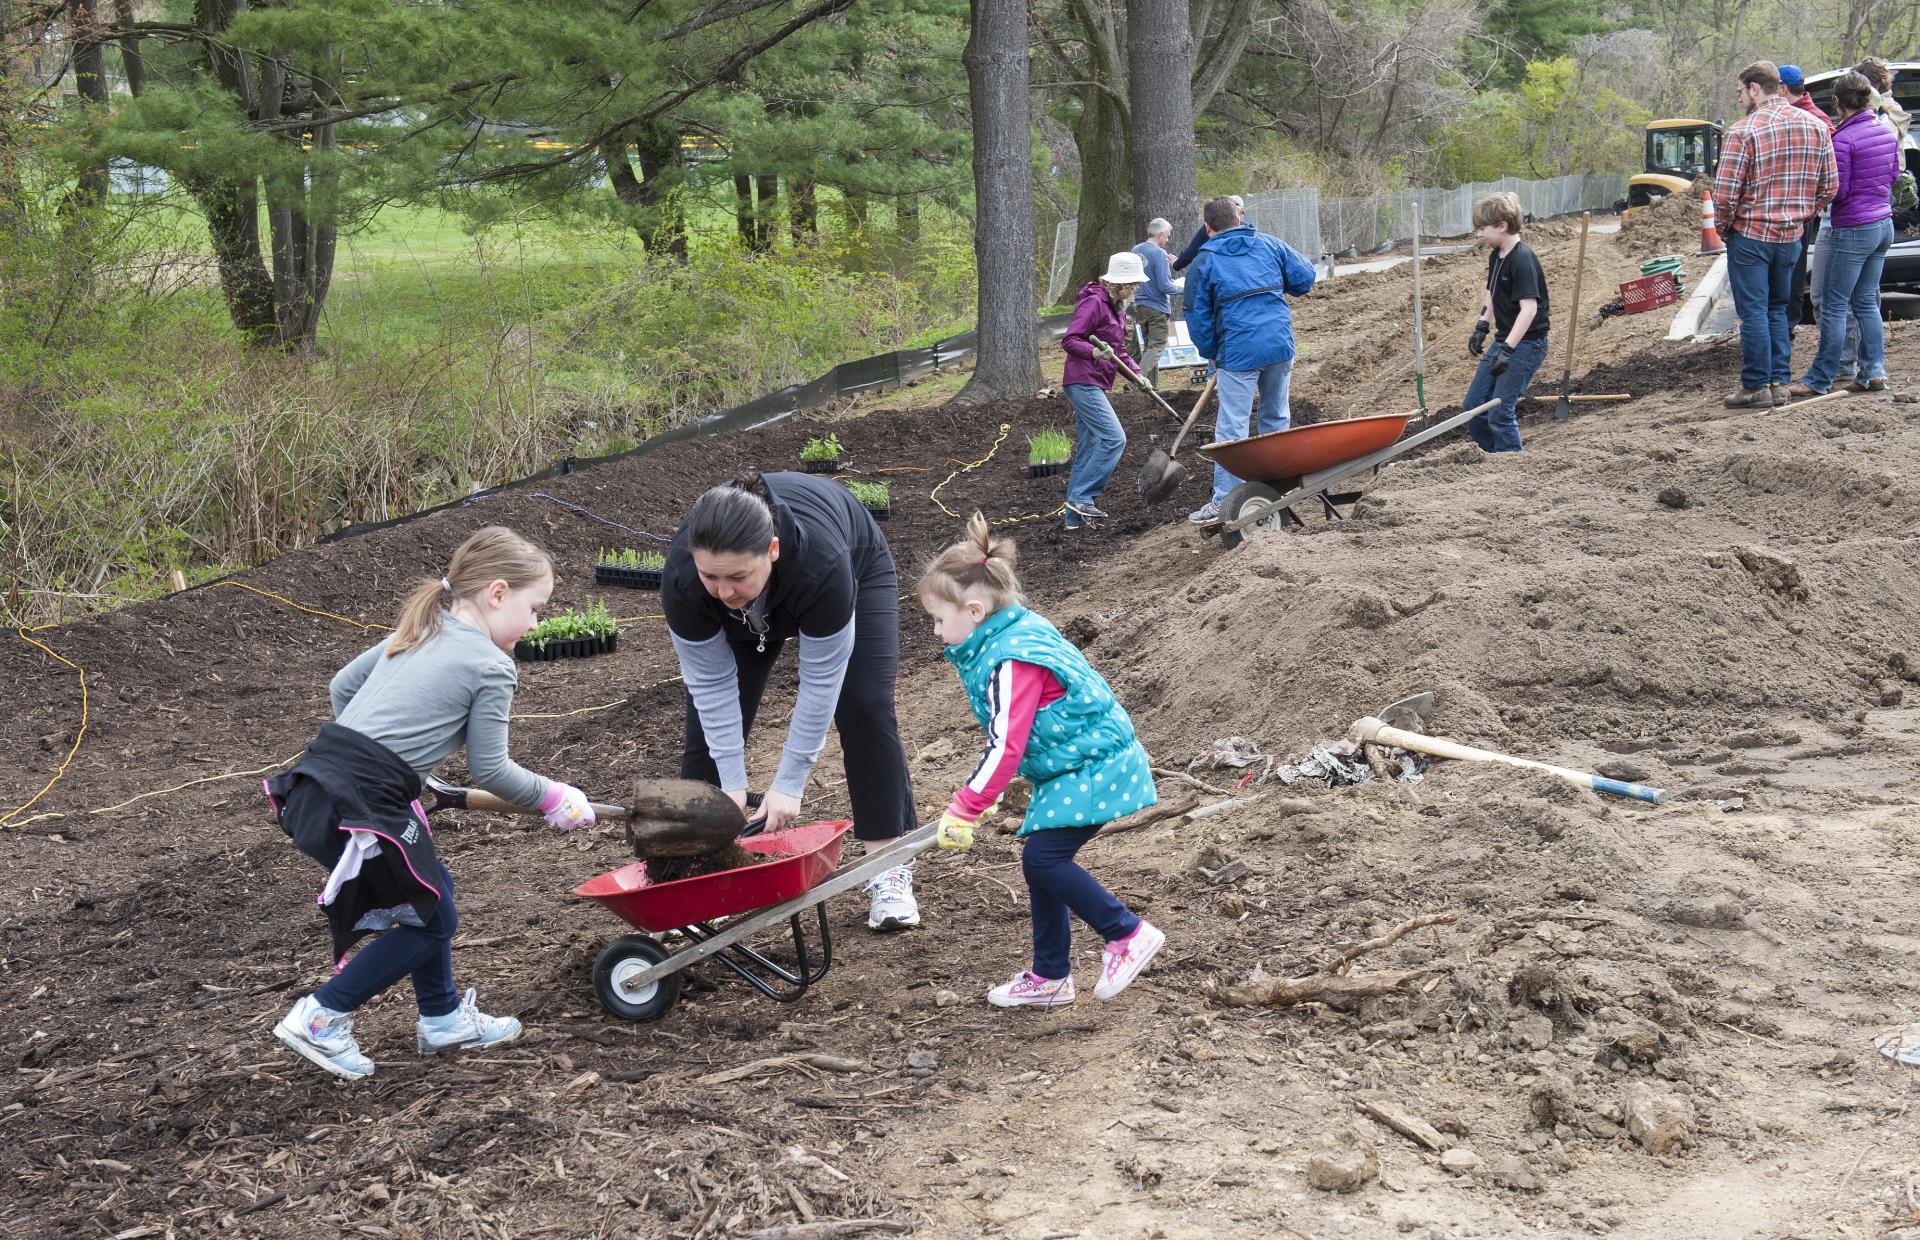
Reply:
x=1102, y=439
x=424, y=952
x=1760, y=273
x=1499, y=431
x=1236, y=410
x=1816, y=278
x=1056, y=887
x=1850, y=284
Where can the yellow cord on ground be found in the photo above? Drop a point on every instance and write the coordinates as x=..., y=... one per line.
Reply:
x=1005, y=429
x=588, y=710
x=59, y=774
x=311, y=611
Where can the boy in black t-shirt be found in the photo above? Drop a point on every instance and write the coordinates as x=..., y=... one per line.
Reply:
x=1515, y=310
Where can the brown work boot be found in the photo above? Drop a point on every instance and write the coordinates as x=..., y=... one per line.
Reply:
x=1795, y=391
x=1871, y=385
x=1747, y=398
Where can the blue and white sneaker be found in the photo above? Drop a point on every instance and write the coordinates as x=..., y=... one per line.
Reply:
x=465, y=1027
x=324, y=1037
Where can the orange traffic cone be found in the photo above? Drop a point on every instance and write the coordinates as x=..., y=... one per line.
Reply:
x=1710, y=242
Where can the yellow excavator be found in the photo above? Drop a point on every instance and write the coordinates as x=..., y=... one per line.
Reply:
x=1677, y=152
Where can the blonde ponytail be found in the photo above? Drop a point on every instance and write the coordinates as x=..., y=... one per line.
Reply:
x=492, y=554
x=979, y=566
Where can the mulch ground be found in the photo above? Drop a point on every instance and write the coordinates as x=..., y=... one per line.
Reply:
x=148, y=950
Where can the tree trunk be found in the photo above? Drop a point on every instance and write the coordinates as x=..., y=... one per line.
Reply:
x=1007, y=358
x=803, y=204
x=90, y=83
x=906, y=214
x=1105, y=224
x=659, y=150
x=1159, y=73
x=130, y=55
x=12, y=204
x=766, y=215
x=233, y=222
x=743, y=207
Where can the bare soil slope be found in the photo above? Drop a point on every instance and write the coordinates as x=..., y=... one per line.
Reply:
x=1645, y=1021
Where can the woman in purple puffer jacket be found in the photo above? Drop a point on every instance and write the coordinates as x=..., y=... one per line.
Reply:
x=1099, y=314
x=1866, y=150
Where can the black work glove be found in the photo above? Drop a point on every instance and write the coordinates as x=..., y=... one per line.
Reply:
x=1477, y=342
x=1502, y=358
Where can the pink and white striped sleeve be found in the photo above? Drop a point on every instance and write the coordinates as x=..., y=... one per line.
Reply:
x=1015, y=695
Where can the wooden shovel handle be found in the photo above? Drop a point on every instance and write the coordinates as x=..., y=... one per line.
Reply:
x=489, y=803
x=1198, y=405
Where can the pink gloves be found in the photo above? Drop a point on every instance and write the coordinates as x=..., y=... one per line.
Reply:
x=566, y=806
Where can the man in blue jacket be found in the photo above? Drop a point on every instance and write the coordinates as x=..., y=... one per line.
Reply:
x=1237, y=315
x=1153, y=302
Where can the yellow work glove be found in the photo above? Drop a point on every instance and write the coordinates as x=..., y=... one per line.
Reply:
x=954, y=832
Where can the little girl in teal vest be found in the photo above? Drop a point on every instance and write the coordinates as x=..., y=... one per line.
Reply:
x=1051, y=718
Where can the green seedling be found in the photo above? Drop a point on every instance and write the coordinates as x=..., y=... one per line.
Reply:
x=627, y=557
x=596, y=621
x=821, y=449
x=1049, y=447
x=872, y=494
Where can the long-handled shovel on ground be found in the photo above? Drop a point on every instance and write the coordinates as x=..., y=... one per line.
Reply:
x=1133, y=376
x=1372, y=731
x=1563, y=408
x=668, y=817
x=1162, y=473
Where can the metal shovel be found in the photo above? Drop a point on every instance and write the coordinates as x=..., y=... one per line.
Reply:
x=1162, y=474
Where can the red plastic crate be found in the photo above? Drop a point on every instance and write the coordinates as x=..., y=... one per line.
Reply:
x=1649, y=292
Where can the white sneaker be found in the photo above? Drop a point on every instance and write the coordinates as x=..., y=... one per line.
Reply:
x=1029, y=989
x=893, y=907
x=324, y=1037
x=1126, y=957
x=1207, y=515
x=465, y=1026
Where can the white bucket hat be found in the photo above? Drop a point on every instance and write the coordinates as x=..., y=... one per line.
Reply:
x=1125, y=268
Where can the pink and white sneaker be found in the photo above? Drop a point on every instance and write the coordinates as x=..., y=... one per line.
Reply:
x=1029, y=990
x=1126, y=957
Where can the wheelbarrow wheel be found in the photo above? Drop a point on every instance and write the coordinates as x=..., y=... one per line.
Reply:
x=625, y=958
x=1242, y=498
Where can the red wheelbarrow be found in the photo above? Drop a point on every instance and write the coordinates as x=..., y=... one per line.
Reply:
x=638, y=977
x=1284, y=468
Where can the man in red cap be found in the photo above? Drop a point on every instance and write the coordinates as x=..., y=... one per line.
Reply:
x=1793, y=88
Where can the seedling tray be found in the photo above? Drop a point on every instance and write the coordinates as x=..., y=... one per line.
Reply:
x=882, y=513
x=823, y=467
x=565, y=648
x=629, y=578
x=1046, y=471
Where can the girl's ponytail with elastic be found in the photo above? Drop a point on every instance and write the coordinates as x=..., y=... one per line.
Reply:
x=492, y=554
x=978, y=566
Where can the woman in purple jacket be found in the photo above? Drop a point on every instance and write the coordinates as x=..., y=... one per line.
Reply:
x=1867, y=152
x=1099, y=313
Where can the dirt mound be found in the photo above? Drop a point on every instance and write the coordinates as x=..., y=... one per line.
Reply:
x=1670, y=223
x=1355, y=333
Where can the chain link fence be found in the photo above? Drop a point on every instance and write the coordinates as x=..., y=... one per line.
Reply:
x=1322, y=227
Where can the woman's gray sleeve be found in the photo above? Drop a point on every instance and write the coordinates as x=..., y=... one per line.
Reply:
x=713, y=681
x=823, y=666
x=487, y=760
x=347, y=681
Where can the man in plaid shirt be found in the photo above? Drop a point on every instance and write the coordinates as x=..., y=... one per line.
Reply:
x=1776, y=172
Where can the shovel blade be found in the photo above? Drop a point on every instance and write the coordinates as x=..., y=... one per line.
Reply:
x=681, y=818
x=1160, y=476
